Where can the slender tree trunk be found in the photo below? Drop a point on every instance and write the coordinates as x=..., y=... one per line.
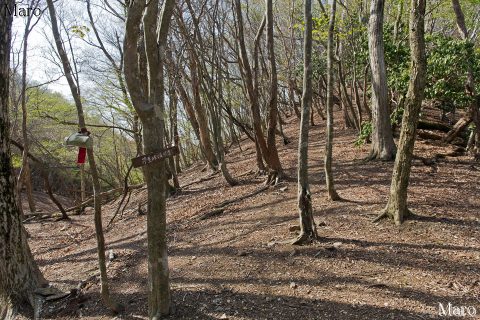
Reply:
x=332, y=193
x=274, y=161
x=291, y=96
x=308, y=230
x=252, y=91
x=104, y=291
x=383, y=146
x=176, y=137
x=83, y=195
x=347, y=100
x=364, y=92
x=396, y=208
x=48, y=189
x=19, y=274
x=398, y=21
x=24, y=177
x=216, y=109
x=358, y=102
x=202, y=117
x=27, y=181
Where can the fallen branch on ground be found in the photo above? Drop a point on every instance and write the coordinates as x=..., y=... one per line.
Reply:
x=102, y=196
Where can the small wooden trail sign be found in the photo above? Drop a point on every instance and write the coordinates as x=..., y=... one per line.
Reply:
x=154, y=157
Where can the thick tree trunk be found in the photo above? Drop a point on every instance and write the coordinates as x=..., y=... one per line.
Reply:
x=151, y=112
x=383, y=146
x=332, y=193
x=308, y=231
x=19, y=274
x=396, y=208
x=75, y=91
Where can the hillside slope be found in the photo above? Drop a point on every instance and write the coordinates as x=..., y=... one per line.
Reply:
x=232, y=265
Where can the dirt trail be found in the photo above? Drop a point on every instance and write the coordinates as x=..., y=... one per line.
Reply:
x=229, y=266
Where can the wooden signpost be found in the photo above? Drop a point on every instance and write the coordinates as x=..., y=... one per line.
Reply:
x=154, y=157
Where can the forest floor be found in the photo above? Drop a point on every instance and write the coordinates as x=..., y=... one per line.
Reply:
x=235, y=266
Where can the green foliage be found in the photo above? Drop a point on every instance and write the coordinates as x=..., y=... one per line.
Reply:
x=80, y=31
x=397, y=59
x=447, y=70
x=365, y=134
x=396, y=116
x=48, y=113
x=16, y=161
x=446, y=73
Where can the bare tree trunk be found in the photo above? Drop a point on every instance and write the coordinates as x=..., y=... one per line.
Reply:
x=48, y=189
x=269, y=155
x=174, y=120
x=308, y=230
x=216, y=107
x=396, y=208
x=27, y=181
x=19, y=274
x=364, y=92
x=151, y=112
x=104, y=291
x=398, y=21
x=332, y=193
x=274, y=161
x=202, y=117
x=383, y=146
x=44, y=173
x=83, y=195
x=347, y=100
x=358, y=102
x=291, y=96
x=24, y=177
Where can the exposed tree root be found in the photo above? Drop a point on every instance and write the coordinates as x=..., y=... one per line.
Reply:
x=274, y=178
x=260, y=173
x=334, y=196
x=373, y=156
x=386, y=214
x=304, y=238
x=381, y=216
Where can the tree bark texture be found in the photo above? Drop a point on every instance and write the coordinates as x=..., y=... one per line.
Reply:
x=396, y=208
x=332, y=193
x=97, y=205
x=308, y=231
x=383, y=146
x=19, y=274
x=150, y=108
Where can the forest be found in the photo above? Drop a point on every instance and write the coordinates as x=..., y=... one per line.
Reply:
x=239, y=159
